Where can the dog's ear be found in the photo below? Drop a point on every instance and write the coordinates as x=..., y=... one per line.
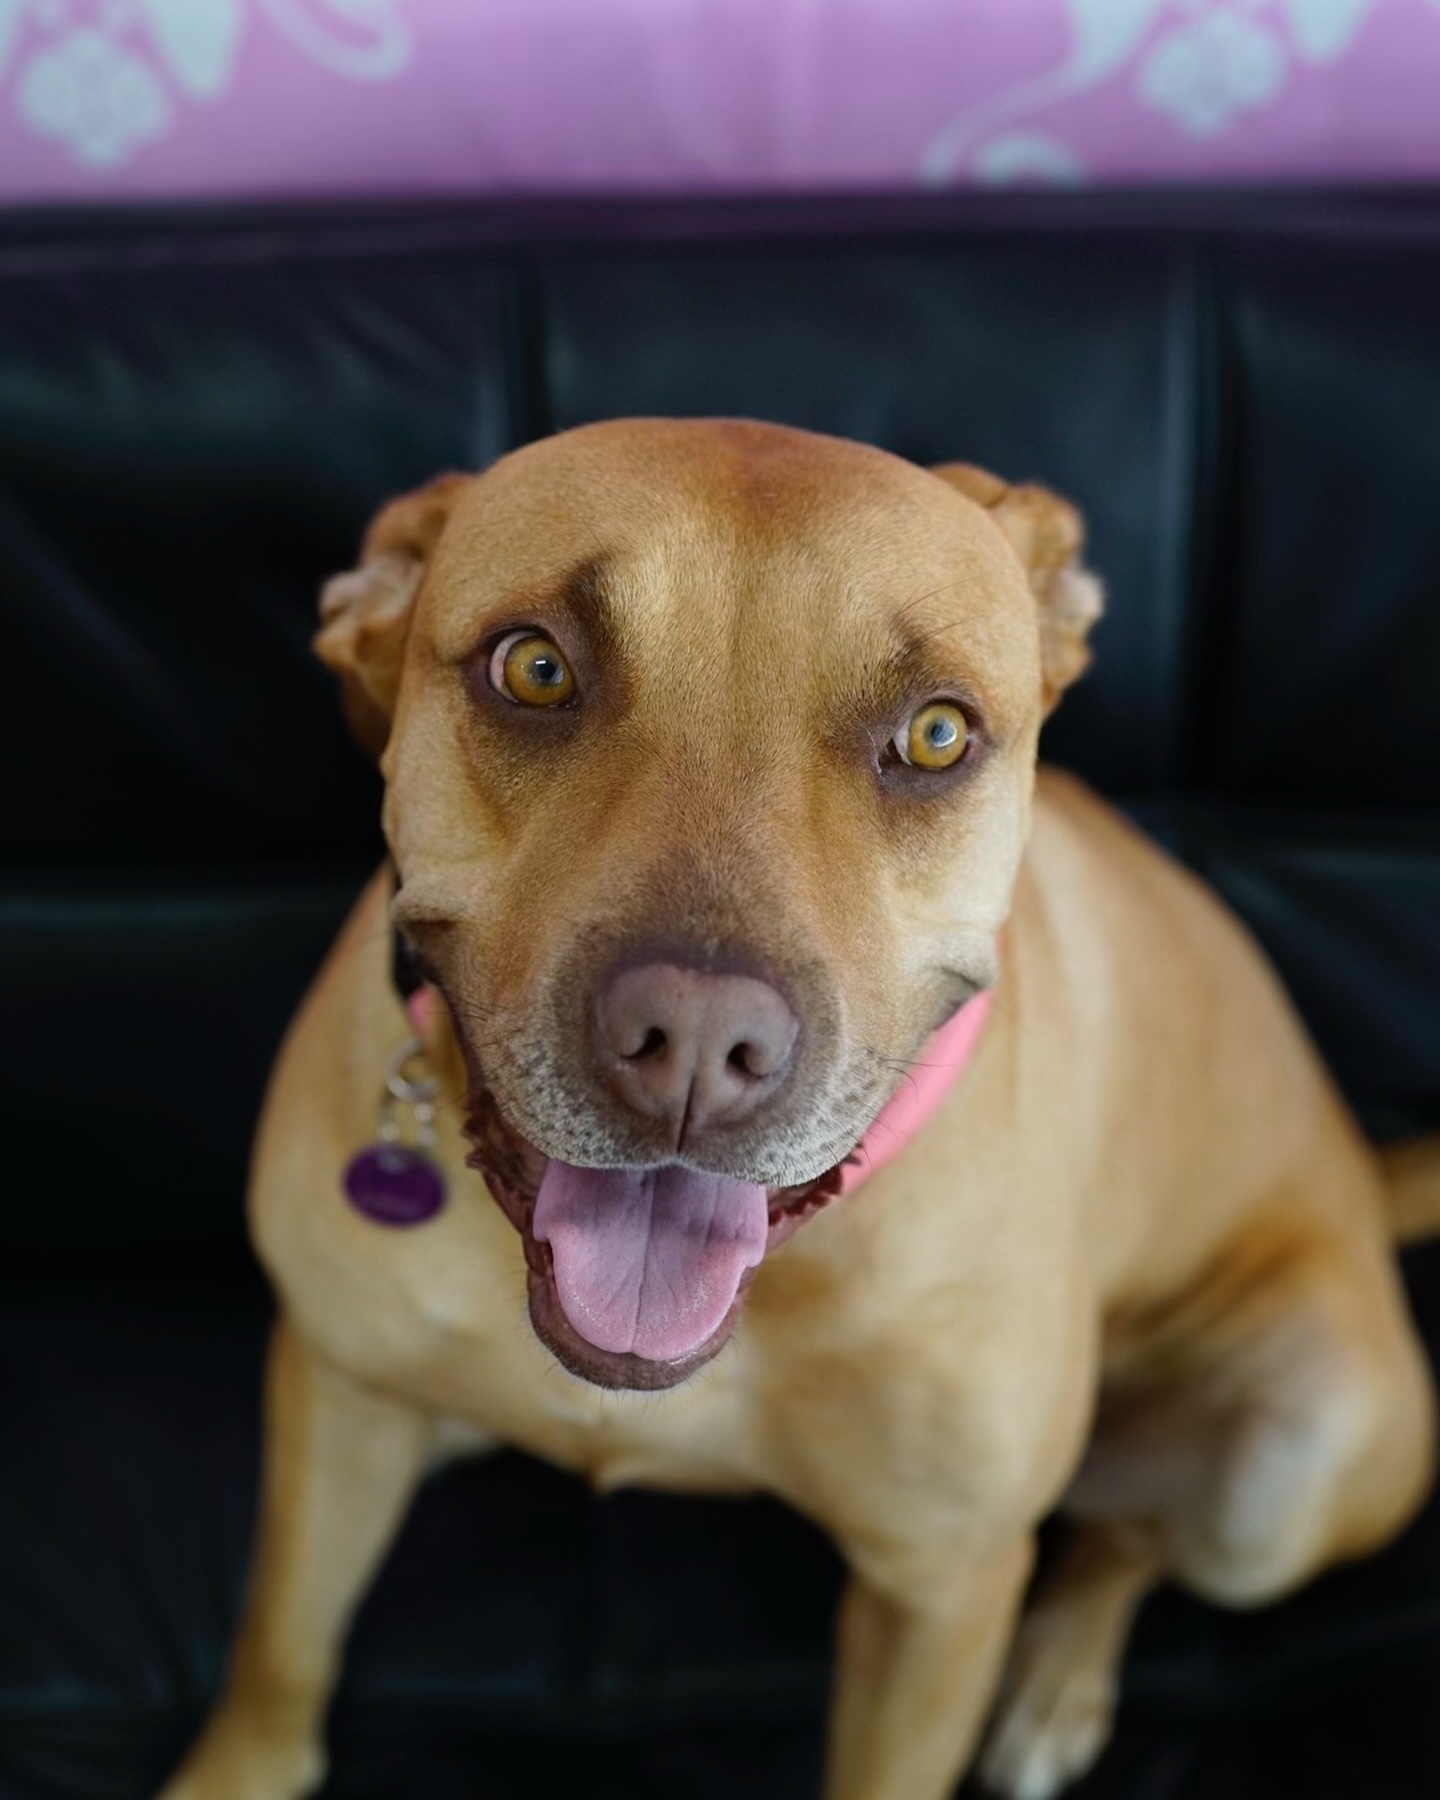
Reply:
x=365, y=613
x=1047, y=534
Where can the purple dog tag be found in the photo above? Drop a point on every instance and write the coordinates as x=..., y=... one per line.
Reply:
x=394, y=1185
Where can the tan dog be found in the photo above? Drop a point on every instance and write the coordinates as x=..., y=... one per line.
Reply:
x=710, y=762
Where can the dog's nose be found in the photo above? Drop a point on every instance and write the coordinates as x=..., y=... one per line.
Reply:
x=693, y=1048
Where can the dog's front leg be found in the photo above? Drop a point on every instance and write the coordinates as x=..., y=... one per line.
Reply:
x=341, y=1464
x=919, y=1659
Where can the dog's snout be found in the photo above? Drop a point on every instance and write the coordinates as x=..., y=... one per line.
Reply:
x=693, y=1048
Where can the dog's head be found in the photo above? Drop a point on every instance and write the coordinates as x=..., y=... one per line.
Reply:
x=709, y=750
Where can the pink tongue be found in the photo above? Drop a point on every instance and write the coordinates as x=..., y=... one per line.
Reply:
x=648, y=1260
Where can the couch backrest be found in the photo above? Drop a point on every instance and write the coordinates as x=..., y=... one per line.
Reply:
x=197, y=415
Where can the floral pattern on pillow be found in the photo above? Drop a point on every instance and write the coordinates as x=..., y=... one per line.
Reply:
x=103, y=78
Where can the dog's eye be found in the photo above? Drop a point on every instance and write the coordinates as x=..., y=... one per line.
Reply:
x=934, y=738
x=528, y=669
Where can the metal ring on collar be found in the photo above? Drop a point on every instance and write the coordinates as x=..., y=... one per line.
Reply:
x=416, y=1093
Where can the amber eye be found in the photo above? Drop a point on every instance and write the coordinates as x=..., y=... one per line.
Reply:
x=527, y=668
x=935, y=738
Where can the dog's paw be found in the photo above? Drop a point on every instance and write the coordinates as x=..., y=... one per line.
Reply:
x=233, y=1763
x=1053, y=1719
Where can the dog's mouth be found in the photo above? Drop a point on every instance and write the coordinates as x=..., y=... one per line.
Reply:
x=636, y=1276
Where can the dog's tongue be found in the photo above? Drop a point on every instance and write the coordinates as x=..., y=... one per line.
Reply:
x=648, y=1260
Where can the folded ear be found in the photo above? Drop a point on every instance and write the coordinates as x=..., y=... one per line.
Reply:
x=1047, y=534
x=365, y=613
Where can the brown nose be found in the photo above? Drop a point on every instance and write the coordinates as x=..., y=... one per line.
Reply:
x=692, y=1048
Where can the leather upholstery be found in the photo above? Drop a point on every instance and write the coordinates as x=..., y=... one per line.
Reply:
x=196, y=417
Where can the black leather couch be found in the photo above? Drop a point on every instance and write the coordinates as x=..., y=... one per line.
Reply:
x=197, y=415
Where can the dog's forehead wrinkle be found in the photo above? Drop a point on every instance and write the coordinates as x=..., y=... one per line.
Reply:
x=759, y=493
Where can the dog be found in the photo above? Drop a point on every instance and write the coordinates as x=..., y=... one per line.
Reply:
x=712, y=796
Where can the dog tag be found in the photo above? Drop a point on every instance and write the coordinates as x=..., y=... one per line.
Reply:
x=391, y=1182
x=394, y=1185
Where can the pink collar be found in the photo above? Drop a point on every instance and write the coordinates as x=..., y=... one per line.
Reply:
x=929, y=1079
x=926, y=1083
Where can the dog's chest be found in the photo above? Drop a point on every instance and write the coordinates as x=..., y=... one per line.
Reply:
x=700, y=1438
x=834, y=1441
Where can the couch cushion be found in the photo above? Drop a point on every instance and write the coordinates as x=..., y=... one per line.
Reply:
x=525, y=1633
x=138, y=1026
x=1326, y=613
x=1068, y=363
x=189, y=444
